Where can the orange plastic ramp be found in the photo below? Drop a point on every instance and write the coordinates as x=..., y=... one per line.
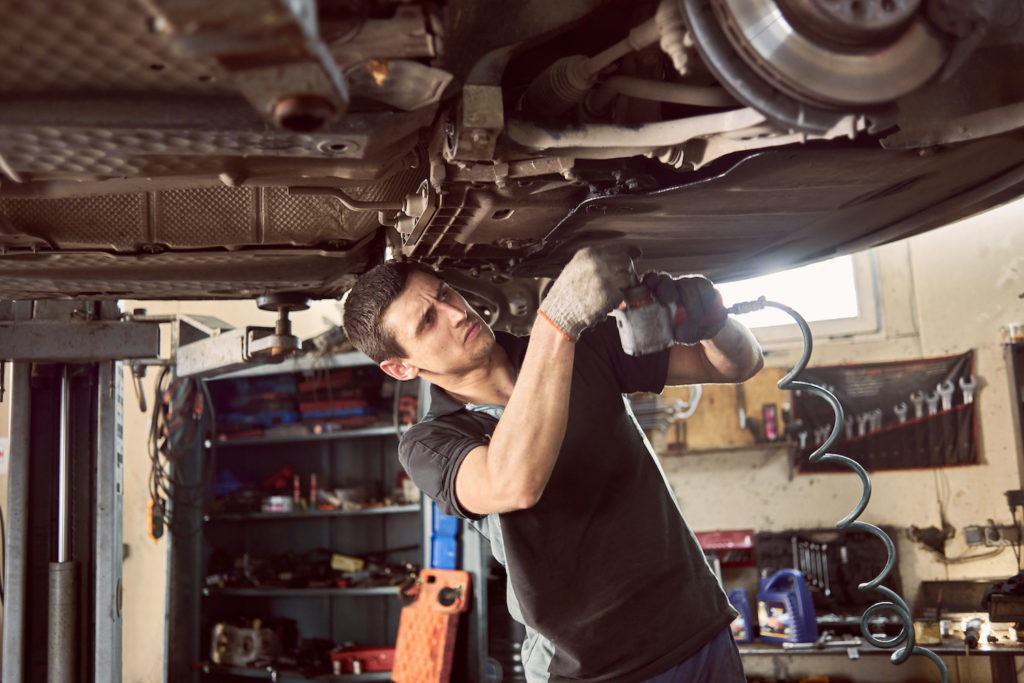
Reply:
x=427, y=627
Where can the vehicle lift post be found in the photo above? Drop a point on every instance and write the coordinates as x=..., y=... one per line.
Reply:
x=65, y=487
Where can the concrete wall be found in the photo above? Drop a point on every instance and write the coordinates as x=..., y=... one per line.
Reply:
x=941, y=293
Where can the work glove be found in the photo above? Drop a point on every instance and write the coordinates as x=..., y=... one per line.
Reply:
x=590, y=285
x=700, y=313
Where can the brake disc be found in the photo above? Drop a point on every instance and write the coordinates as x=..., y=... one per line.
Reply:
x=835, y=53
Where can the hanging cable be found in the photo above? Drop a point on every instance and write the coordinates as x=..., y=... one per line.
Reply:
x=893, y=602
x=3, y=553
x=170, y=494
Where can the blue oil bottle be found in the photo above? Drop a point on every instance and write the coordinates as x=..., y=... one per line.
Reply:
x=743, y=627
x=785, y=610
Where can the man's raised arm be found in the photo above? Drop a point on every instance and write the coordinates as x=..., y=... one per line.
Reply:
x=510, y=473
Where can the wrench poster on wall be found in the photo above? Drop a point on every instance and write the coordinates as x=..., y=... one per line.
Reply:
x=902, y=414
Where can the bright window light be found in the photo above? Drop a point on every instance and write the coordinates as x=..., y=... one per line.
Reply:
x=820, y=291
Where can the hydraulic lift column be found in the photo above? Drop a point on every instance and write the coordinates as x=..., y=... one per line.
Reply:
x=63, y=622
x=62, y=613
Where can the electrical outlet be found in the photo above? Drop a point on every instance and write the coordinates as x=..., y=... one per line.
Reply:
x=999, y=534
x=991, y=535
x=974, y=534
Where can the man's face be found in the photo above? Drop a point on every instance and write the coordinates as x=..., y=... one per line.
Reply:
x=440, y=333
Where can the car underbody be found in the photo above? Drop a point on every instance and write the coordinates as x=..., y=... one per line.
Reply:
x=172, y=149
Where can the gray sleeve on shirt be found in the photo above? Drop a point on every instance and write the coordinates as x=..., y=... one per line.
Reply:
x=431, y=453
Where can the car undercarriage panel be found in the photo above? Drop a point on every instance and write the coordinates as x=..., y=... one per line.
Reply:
x=782, y=207
x=234, y=149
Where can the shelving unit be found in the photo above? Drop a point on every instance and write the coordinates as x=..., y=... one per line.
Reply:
x=271, y=674
x=301, y=592
x=361, y=461
x=311, y=514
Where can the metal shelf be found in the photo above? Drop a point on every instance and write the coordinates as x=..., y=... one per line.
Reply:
x=271, y=674
x=311, y=514
x=301, y=592
x=302, y=363
x=383, y=430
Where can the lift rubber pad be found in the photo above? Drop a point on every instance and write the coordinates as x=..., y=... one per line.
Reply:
x=427, y=627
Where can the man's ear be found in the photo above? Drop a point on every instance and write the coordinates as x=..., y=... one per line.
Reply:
x=399, y=369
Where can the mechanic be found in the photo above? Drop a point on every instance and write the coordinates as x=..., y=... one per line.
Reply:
x=530, y=439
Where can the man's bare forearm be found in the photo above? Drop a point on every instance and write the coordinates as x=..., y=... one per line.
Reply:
x=512, y=471
x=529, y=435
x=732, y=355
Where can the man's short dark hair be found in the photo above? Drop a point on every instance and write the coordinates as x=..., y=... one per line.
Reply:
x=366, y=303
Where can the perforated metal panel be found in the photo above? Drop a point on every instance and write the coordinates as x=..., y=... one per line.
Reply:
x=312, y=219
x=198, y=218
x=304, y=218
x=125, y=152
x=105, y=222
x=206, y=217
x=226, y=275
x=92, y=45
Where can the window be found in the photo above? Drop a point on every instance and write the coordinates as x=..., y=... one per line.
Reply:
x=837, y=298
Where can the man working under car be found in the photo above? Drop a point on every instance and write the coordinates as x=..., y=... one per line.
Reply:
x=530, y=438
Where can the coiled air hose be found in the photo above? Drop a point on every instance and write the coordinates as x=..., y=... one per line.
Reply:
x=893, y=601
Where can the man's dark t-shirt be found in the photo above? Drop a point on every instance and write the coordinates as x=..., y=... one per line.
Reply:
x=603, y=565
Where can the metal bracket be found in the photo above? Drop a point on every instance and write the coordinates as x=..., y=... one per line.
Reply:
x=480, y=119
x=232, y=350
x=272, y=49
x=86, y=332
x=72, y=331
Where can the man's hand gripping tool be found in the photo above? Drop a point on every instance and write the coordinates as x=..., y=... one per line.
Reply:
x=645, y=324
x=659, y=311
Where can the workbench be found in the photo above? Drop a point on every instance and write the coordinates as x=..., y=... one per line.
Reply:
x=1000, y=656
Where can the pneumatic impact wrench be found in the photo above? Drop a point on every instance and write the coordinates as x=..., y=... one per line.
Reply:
x=648, y=322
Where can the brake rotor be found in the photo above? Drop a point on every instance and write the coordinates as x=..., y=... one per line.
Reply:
x=835, y=53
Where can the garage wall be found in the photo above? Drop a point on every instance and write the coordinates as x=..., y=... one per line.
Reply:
x=942, y=293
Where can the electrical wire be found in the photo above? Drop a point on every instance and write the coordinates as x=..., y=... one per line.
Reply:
x=170, y=493
x=893, y=602
x=964, y=559
x=3, y=553
x=942, y=493
x=1016, y=546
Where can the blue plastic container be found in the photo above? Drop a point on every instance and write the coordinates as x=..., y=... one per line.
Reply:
x=785, y=610
x=444, y=544
x=743, y=627
x=444, y=525
x=443, y=552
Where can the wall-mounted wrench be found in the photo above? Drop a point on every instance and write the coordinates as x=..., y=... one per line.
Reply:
x=824, y=555
x=917, y=398
x=876, y=419
x=862, y=423
x=968, y=388
x=848, y=427
x=821, y=433
x=932, y=400
x=946, y=390
x=901, y=412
